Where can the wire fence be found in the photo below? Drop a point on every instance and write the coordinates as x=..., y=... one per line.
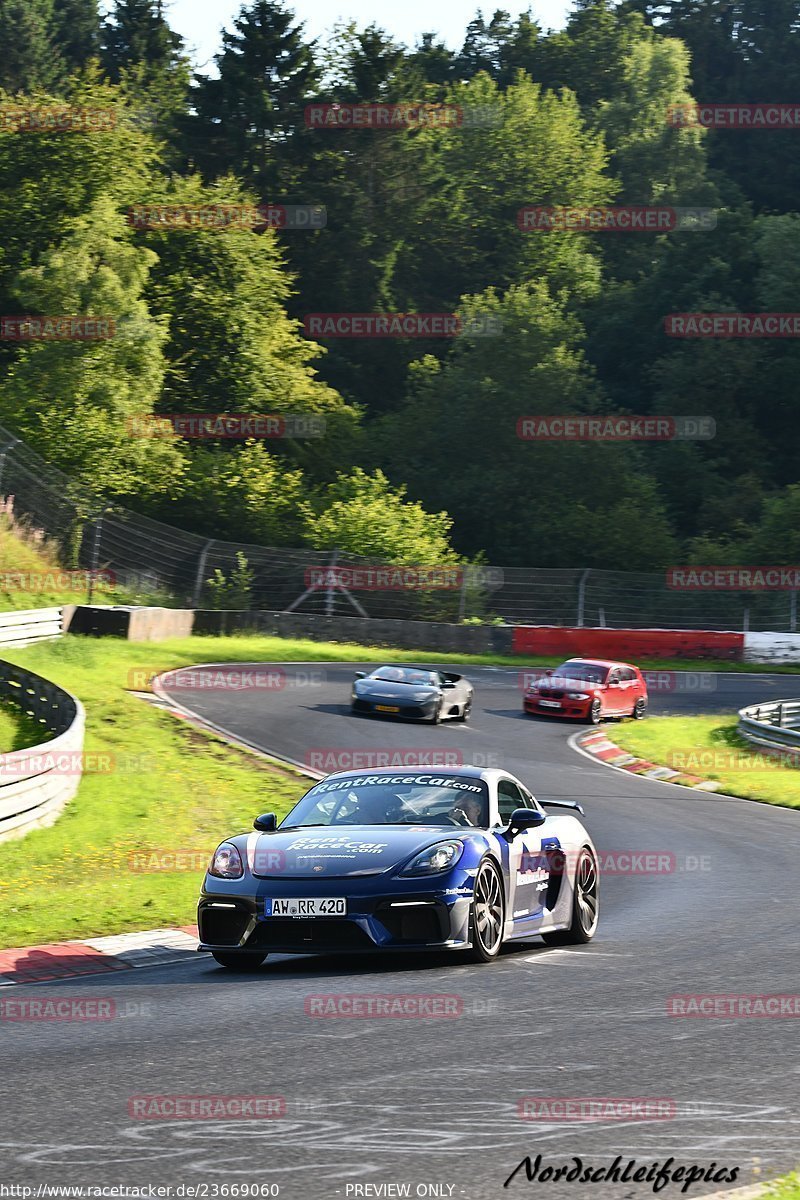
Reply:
x=173, y=567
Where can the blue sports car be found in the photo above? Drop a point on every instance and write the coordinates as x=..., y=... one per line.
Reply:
x=410, y=859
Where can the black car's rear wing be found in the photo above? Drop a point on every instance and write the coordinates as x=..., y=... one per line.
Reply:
x=563, y=804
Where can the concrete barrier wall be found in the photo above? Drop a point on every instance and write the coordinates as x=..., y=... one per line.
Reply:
x=36, y=783
x=134, y=623
x=404, y=635
x=430, y=637
x=772, y=647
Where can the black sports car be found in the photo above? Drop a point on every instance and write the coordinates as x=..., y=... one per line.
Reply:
x=416, y=693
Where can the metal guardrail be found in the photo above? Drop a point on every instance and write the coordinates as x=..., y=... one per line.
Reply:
x=36, y=783
x=775, y=725
x=22, y=628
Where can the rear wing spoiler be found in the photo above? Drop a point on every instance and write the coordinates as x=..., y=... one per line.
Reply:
x=564, y=804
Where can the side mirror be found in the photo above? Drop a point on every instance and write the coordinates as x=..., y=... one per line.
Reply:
x=266, y=823
x=361, y=674
x=549, y=671
x=522, y=819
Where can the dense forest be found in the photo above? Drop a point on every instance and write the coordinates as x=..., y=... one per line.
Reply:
x=420, y=458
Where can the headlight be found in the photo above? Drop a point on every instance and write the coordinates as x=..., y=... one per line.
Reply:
x=436, y=858
x=577, y=695
x=226, y=862
x=424, y=696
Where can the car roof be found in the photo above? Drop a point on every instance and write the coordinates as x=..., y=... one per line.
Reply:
x=598, y=662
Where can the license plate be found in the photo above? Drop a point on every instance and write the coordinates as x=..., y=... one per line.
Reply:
x=306, y=908
x=550, y=703
x=387, y=708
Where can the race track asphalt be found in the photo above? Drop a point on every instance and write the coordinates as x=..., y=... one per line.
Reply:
x=431, y=1106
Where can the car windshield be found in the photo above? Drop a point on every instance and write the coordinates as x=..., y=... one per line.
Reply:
x=406, y=675
x=583, y=672
x=407, y=798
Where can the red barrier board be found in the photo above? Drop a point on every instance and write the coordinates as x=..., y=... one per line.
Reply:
x=627, y=644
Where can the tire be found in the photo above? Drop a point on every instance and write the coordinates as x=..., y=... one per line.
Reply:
x=595, y=715
x=242, y=960
x=585, y=907
x=467, y=710
x=436, y=719
x=487, y=914
x=639, y=709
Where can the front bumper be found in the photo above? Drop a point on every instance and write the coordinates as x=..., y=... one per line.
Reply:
x=543, y=707
x=423, y=711
x=411, y=918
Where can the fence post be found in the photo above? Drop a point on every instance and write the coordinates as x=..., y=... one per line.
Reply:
x=746, y=621
x=3, y=454
x=329, y=591
x=98, y=529
x=462, y=599
x=582, y=597
x=793, y=612
x=201, y=570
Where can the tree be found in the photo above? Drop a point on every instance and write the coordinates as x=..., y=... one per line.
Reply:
x=364, y=515
x=76, y=26
x=431, y=61
x=485, y=45
x=31, y=61
x=232, y=346
x=267, y=72
x=75, y=401
x=546, y=503
x=588, y=55
x=361, y=66
x=147, y=58
x=244, y=495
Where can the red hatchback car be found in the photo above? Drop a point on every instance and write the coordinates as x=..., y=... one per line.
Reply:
x=589, y=689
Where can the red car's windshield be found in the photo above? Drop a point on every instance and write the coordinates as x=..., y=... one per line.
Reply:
x=582, y=672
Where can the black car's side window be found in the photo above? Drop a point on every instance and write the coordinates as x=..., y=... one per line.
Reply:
x=509, y=798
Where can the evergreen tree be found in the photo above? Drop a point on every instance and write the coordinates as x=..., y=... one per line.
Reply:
x=142, y=53
x=267, y=73
x=76, y=26
x=30, y=60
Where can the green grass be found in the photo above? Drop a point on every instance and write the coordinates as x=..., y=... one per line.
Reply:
x=710, y=747
x=175, y=789
x=787, y=1188
x=17, y=731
